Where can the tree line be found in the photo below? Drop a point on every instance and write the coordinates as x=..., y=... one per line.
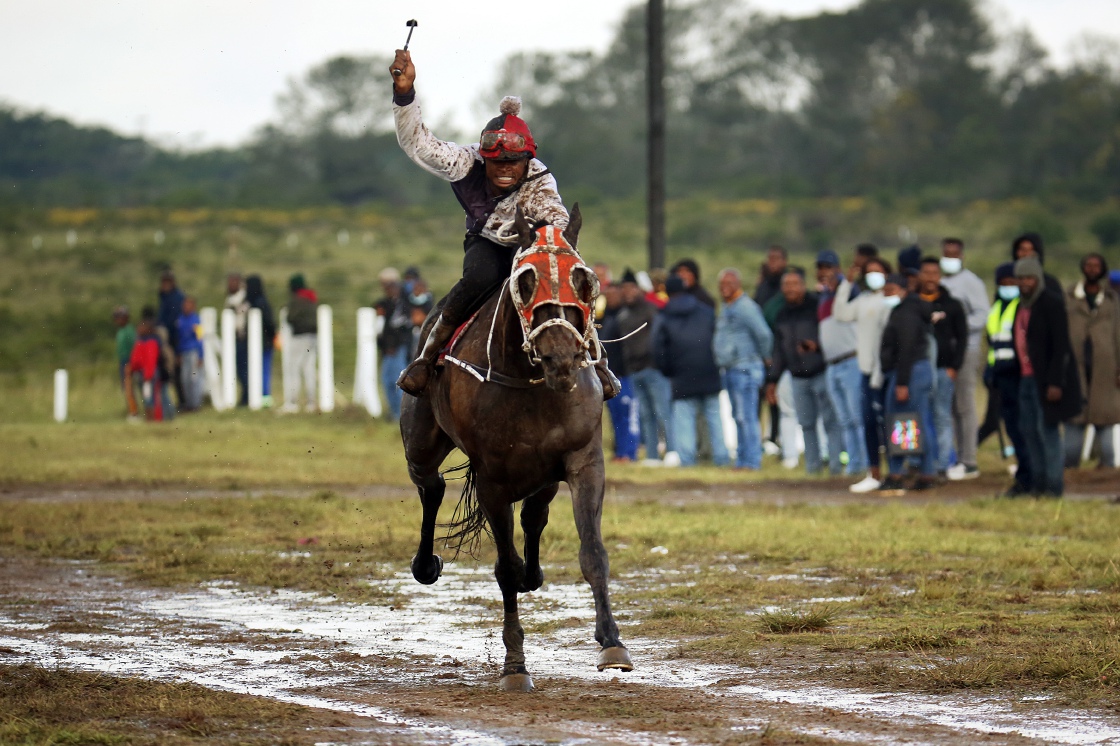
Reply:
x=891, y=97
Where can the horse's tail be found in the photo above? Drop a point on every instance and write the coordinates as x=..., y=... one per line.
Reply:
x=468, y=522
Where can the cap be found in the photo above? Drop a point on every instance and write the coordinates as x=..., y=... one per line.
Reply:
x=895, y=278
x=629, y=276
x=1003, y=271
x=674, y=285
x=389, y=274
x=829, y=258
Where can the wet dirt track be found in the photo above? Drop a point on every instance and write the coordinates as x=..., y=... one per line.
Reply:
x=426, y=673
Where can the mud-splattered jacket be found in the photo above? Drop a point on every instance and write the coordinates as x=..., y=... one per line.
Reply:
x=490, y=217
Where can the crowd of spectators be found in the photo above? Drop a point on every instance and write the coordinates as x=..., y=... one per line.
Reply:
x=856, y=365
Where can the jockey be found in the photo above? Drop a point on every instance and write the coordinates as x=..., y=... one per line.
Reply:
x=491, y=179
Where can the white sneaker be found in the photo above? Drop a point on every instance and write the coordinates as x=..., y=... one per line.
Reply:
x=867, y=484
x=959, y=472
x=790, y=463
x=770, y=448
x=672, y=460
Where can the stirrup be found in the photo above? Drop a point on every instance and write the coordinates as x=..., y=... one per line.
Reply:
x=612, y=387
x=414, y=379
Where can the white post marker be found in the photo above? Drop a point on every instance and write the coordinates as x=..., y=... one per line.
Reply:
x=61, y=394
x=256, y=360
x=326, y=359
x=229, y=358
x=285, y=331
x=211, y=351
x=1087, y=446
x=730, y=432
x=365, y=365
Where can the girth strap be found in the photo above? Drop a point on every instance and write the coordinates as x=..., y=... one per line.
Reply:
x=494, y=377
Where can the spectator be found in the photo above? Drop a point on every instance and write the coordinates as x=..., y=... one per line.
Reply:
x=1002, y=373
x=770, y=275
x=843, y=376
x=1094, y=332
x=148, y=361
x=420, y=305
x=255, y=297
x=395, y=340
x=689, y=271
x=797, y=349
x=652, y=393
x=1030, y=244
x=1049, y=390
x=126, y=340
x=909, y=264
x=870, y=314
x=966, y=287
x=743, y=342
x=656, y=294
x=682, y=350
x=303, y=318
x=622, y=408
x=170, y=307
x=950, y=331
x=237, y=301
x=188, y=330
x=904, y=356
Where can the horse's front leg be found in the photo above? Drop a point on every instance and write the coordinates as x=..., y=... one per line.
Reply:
x=425, y=448
x=586, y=476
x=509, y=571
x=534, y=517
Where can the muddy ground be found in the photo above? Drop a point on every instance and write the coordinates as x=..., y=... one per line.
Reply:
x=427, y=673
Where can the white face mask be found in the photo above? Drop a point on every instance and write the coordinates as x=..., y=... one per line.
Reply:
x=875, y=280
x=951, y=265
x=1008, y=292
x=890, y=301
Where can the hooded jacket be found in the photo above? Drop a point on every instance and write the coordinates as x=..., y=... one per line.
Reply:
x=255, y=297
x=682, y=347
x=794, y=325
x=697, y=290
x=1049, y=351
x=950, y=329
x=1094, y=331
x=1051, y=282
x=636, y=349
x=303, y=314
x=905, y=338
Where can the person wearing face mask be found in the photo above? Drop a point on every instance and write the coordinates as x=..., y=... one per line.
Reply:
x=1049, y=384
x=1094, y=334
x=1002, y=376
x=870, y=314
x=966, y=287
x=904, y=357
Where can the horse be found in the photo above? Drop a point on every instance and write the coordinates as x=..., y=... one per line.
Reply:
x=517, y=395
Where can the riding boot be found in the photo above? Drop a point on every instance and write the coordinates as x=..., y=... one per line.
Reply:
x=611, y=385
x=414, y=379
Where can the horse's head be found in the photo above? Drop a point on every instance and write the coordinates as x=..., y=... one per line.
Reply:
x=554, y=293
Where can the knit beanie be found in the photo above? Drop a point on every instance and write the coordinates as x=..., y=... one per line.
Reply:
x=1030, y=267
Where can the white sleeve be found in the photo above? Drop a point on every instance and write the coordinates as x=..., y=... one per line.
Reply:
x=446, y=160
x=842, y=307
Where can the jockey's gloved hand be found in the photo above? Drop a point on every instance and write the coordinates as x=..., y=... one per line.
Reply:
x=404, y=82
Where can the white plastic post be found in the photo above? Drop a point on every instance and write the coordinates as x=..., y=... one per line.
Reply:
x=285, y=350
x=61, y=394
x=730, y=433
x=1087, y=446
x=211, y=379
x=229, y=358
x=326, y=359
x=256, y=360
x=365, y=366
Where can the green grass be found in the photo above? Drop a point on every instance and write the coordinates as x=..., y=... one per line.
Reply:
x=1009, y=596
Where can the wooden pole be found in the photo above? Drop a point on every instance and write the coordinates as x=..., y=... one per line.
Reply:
x=655, y=161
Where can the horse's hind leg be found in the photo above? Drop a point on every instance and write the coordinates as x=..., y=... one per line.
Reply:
x=509, y=571
x=534, y=517
x=586, y=479
x=425, y=448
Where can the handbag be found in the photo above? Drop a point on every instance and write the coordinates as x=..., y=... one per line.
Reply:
x=905, y=434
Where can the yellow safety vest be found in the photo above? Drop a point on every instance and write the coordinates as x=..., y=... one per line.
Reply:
x=1001, y=332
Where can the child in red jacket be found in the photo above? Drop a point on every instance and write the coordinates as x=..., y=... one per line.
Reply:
x=147, y=362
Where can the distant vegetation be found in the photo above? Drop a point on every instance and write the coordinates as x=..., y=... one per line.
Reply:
x=893, y=98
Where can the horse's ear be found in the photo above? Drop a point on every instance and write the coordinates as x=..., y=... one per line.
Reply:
x=575, y=222
x=524, y=230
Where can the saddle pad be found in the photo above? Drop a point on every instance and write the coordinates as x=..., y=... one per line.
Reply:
x=455, y=337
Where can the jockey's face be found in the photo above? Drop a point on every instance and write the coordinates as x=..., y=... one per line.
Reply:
x=505, y=175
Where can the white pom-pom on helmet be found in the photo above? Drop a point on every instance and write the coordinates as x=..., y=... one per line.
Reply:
x=506, y=137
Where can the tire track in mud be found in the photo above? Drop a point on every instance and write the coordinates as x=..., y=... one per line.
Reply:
x=426, y=673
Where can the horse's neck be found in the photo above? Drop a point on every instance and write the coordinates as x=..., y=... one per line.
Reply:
x=503, y=348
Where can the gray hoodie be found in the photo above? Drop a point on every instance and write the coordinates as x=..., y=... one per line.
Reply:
x=969, y=289
x=870, y=317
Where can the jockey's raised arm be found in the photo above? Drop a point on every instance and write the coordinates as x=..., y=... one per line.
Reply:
x=492, y=179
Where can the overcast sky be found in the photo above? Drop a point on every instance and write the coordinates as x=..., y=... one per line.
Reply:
x=205, y=72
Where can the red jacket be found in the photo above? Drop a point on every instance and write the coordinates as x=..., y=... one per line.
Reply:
x=145, y=357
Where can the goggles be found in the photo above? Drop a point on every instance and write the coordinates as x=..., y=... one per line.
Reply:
x=513, y=142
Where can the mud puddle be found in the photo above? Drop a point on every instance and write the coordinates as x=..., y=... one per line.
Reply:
x=428, y=669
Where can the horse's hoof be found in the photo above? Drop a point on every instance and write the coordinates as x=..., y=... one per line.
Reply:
x=429, y=572
x=617, y=658
x=532, y=582
x=516, y=682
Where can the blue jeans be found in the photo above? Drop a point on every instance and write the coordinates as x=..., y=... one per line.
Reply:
x=1044, y=442
x=1008, y=392
x=1075, y=442
x=742, y=388
x=685, y=412
x=845, y=386
x=920, y=401
x=391, y=366
x=624, y=417
x=654, y=396
x=812, y=402
x=873, y=407
x=943, y=418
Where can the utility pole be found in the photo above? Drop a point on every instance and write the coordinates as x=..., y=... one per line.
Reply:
x=655, y=160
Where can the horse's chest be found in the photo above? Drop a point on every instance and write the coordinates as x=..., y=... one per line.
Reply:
x=520, y=427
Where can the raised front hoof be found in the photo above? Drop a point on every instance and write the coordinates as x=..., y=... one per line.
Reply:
x=427, y=571
x=414, y=379
x=532, y=582
x=516, y=682
x=617, y=658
